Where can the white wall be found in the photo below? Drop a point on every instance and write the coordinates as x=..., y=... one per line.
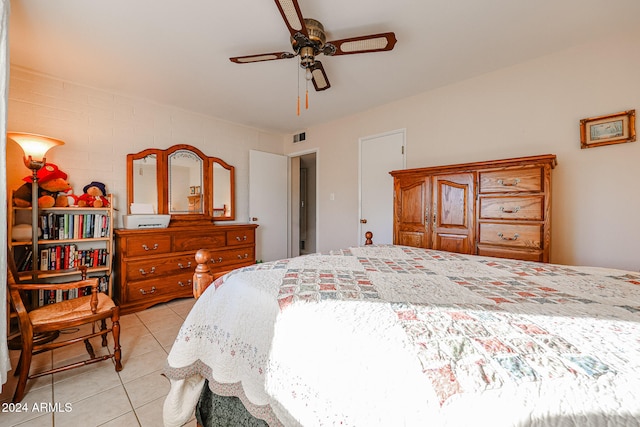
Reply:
x=529, y=109
x=100, y=128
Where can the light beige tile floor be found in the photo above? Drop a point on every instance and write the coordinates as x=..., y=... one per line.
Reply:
x=97, y=395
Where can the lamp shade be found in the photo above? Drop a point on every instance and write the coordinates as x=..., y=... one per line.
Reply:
x=34, y=146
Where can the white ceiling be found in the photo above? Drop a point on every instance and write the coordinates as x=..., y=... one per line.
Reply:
x=176, y=51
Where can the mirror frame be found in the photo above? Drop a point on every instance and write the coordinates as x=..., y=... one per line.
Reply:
x=162, y=183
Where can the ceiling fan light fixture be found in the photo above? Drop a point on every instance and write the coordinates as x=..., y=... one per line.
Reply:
x=307, y=57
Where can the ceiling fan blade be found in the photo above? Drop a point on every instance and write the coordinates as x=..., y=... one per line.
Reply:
x=292, y=16
x=261, y=57
x=319, y=77
x=363, y=44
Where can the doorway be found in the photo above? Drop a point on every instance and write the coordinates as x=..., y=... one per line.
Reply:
x=303, y=204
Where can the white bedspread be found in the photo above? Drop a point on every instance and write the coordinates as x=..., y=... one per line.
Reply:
x=384, y=335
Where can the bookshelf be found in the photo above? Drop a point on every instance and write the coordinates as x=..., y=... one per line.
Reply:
x=70, y=237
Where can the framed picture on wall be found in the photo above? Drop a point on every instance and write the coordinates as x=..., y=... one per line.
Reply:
x=606, y=130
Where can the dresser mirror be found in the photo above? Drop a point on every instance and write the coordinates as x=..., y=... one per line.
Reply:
x=186, y=181
x=181, y=181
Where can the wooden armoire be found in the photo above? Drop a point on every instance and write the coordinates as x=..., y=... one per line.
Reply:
x=498, y=208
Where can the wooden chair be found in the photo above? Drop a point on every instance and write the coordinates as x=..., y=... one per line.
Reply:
x=58, y=316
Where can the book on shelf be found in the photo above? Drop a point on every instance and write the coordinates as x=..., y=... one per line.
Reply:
x=67, y=226
x=24, y=260
x=50, y=296
x=44, y=259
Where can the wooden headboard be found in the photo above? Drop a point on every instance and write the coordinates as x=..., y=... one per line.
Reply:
x=203, y=277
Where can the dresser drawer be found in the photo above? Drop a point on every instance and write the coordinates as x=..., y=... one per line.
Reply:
x=511, y=253
x=150, y=268
x=155, y=289
x=517, y=208
x=511, y=180
x=240, y=237
x=147, y=245
x=232, y=256
x=194, y=241
x=515, y=235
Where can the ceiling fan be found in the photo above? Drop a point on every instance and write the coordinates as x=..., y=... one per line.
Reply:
x=308, y=40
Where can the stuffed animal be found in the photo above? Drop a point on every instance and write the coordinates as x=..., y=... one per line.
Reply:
x=51, y=181
x=93, y=195
x=66, y=198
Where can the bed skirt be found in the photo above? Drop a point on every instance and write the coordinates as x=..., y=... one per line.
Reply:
x=214, y=410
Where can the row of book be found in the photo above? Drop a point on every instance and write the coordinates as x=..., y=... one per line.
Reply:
x=61, y=257
x=74, y=226
x=57, y=295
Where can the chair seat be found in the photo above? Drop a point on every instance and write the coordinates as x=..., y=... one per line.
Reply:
x=69, y=310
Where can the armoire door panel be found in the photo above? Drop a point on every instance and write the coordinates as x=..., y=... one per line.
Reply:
x=411, y=227
x=414, y=239
x=453, y=224
x=453, y=243
x=413, y=204
x=452, y=204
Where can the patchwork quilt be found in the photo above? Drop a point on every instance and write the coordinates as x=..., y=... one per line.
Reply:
x=391, y=335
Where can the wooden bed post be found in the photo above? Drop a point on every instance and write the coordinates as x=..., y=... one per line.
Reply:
x=369, y=236
x=202, y=277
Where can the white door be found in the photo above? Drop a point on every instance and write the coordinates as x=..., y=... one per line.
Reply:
x=379, y=155
x=268, y=203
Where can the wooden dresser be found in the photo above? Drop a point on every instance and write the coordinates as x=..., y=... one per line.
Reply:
x=498, y=208
x=157, y=265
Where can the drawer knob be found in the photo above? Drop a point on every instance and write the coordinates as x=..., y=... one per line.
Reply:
x=153, y=290
x=182, y=265
x=245, y=256
x=147, y=248
x=509, y=184
x=515, y=237
x=144, y=273
x=184, y=284
x=213, y=261
x=239, y=239
x=512, y=210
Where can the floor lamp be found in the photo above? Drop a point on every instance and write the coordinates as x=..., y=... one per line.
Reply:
x=35, y=148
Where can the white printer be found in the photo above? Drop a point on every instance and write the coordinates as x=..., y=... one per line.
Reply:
x=143, y=216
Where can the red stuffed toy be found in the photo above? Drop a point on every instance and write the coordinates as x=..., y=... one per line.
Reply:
x=94, y=196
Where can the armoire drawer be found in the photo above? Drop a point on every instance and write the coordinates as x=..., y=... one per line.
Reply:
x=150, y=268
x=512, y=180
x=516, y=235
x=512, y=208
x=152, y=244
x=177, y=285
x=510, y=252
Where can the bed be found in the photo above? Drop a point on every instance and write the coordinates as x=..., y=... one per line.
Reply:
x=385, y=335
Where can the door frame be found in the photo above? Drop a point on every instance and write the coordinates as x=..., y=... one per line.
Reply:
x=403, y=131
x=293, y=213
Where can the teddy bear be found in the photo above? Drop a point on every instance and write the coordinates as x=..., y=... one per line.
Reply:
x=93, y=195
x=51, y=181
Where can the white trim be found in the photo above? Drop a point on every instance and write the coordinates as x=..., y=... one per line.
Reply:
x=5, y=363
